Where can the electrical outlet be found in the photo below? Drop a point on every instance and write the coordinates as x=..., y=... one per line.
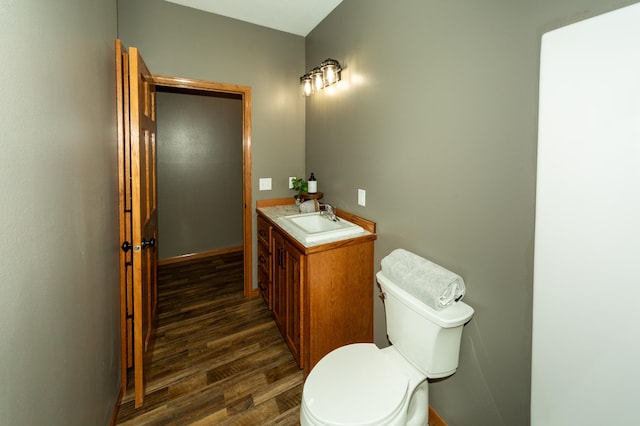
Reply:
x=362, y=197
x=291, y=178
x=265, y=184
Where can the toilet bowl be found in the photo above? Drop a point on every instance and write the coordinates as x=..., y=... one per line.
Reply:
x=360, y=384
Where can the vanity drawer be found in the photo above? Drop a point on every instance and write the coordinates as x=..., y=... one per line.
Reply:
x=264, y=263
x=264, y=232
x=264, y=285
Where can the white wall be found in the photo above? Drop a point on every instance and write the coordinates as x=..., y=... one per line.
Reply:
x=59, y=297
x=586, y=342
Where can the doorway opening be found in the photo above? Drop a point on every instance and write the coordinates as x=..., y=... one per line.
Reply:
x=201, y=87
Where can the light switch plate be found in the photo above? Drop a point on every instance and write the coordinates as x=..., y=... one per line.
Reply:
x=362, y=197
x=265, y=184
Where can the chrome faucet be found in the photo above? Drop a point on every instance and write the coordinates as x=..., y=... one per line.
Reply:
x=328, y=210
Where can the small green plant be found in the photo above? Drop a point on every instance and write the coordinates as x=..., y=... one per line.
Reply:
x=300, y=186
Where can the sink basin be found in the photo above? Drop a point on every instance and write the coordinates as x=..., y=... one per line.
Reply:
x=312, y=227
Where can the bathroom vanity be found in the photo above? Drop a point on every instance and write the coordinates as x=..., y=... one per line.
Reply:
x=320, y=291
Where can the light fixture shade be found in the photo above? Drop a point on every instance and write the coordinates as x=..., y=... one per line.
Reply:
x=318, y=79
x=330, y=71
x=306, y=85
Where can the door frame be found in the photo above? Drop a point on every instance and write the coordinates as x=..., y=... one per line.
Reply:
x=247, y=214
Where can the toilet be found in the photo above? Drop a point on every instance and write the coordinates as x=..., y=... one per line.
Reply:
x=360, y=384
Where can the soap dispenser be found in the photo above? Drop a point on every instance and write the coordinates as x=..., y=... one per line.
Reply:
x=312, y=185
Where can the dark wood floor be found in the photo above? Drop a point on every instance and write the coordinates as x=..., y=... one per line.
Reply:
x=217, y=357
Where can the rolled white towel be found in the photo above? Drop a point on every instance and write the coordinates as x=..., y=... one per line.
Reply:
x=430, y=283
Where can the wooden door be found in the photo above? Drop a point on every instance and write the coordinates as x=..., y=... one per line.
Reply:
x=138, y=210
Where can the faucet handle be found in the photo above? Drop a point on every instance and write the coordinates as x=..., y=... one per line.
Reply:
x=324, y=207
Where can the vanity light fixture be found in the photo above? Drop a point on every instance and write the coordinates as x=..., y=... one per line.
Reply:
x=318, y=81
x=321, y=76
x=306, y=84
x=330, y=71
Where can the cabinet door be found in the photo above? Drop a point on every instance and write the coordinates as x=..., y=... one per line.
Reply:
x=278, y=278
x=293, y=299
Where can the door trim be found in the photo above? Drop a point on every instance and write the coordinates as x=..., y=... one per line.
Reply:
x=247, y=216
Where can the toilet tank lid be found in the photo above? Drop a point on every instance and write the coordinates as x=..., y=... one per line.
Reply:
x=453, y=316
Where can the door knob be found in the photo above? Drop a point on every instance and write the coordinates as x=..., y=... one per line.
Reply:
x=126, y=246
x=148, y=243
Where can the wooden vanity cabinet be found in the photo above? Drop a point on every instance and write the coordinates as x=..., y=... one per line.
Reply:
x=322, y=296
x=337, y=300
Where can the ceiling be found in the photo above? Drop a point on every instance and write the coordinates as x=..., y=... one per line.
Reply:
x=291, y=16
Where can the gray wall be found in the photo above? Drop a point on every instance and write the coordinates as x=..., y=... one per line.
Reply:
x=59, y=291
x=436, y=118
x=199, y=173
x=179, y=41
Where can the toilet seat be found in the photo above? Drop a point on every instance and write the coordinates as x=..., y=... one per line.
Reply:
x=356, y=384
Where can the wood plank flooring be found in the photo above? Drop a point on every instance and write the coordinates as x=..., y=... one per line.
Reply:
x=217, y=357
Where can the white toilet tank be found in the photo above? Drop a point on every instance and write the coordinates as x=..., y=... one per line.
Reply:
x=429, y=339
